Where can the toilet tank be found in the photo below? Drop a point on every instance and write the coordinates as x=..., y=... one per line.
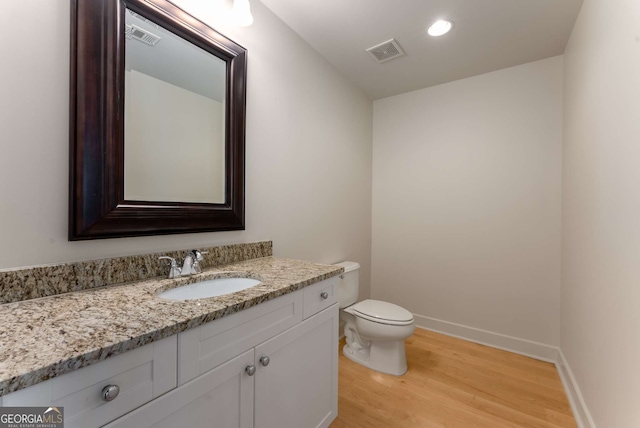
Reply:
x=349, y=284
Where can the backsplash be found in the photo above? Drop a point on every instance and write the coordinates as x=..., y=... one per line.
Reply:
x=41, y=281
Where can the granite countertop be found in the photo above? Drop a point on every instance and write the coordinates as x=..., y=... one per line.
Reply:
x=46, y=337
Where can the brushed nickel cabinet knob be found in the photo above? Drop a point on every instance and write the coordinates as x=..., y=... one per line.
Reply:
x=110, y=392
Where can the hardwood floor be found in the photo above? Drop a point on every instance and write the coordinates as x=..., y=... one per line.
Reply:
x=453, y=383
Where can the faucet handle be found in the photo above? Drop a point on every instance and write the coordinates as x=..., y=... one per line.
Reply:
x=197, y=258
x=197, y=255
x=174, y=271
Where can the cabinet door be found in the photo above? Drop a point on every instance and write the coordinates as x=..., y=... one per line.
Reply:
x=299, y=386
x=220, y=398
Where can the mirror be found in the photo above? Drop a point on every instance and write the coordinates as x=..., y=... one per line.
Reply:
x=157, y=122
x=174, y=97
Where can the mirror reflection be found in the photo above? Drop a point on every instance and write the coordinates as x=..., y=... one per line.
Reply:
x=174, y=149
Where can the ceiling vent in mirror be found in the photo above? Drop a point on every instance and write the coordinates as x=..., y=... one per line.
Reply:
x=142, y=35
x=142, y=18
x=386, y=51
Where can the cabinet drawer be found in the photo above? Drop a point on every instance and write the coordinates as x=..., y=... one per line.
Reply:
x=320, y=296
x=202, y=348
x=142, y=374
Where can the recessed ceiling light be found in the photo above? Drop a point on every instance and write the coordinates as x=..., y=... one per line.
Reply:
x=440, y=28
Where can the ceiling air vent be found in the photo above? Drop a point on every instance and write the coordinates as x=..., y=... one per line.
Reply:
x=140, y=34
x=142, y=18
x=386, y=51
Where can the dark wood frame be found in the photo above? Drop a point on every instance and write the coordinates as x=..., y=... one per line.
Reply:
x=97, y=207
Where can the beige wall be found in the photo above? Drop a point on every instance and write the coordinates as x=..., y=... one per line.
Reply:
x=308, y=147
x=466, y=202
x=601, y=210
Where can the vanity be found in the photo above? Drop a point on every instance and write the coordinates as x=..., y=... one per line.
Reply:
x=96, y=339
x=121, y=356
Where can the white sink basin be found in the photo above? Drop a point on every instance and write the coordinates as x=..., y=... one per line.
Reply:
x=210, y=288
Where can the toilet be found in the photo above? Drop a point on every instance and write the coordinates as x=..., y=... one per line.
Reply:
x=374, y=330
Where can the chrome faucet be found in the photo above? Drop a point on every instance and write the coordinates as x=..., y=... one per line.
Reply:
x=190, y=266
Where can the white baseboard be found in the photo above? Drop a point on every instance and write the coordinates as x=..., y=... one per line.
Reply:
x=536, y=350
x=580, y=411
x=539, y=351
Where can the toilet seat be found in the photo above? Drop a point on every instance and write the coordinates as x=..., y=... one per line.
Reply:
x=382, y=312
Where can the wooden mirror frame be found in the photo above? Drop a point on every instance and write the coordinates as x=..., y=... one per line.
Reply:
x=97, y=206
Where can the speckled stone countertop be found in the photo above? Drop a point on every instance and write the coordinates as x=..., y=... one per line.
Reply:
x=44, y=338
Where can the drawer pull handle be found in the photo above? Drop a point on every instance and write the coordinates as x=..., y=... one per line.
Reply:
x=324, y=295
x=251, y=370
x=110, y=392
x=265, y=361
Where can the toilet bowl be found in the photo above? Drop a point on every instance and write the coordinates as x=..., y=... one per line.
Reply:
x=374, y=330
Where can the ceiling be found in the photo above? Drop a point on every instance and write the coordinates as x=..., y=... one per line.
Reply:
x=175, y=60
x=488, y=35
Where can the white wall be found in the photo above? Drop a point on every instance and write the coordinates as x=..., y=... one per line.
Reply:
x=308, y=146
x=601, y=210
x=466, y=202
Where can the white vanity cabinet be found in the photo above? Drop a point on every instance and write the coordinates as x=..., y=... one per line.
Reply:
x=299, y=385
x=274, y=365
x=141, y=375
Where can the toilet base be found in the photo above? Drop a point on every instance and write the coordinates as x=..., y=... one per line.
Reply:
x=385, y=357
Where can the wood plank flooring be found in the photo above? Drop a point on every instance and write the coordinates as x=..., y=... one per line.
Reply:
x=453, y=383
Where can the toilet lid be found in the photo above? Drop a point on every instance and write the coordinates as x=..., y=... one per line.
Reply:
x=383, y=312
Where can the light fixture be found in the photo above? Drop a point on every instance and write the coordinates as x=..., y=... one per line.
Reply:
x=440, y=28
x=242, y=13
